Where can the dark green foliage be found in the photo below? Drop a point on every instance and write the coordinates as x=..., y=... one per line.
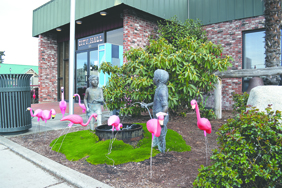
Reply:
x=240, y=101
x=183, y=51
x=78, y=145
x=250, y=152
x=205, y=112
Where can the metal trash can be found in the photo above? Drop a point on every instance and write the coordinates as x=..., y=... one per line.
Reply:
x=14, y=100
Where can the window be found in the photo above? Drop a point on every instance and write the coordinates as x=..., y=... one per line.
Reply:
x=254, y=52
x=254, y=56
x=115, y=36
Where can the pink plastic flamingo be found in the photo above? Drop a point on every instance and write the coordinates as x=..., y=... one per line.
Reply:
x=76, y=119
x=203, y=123
x=115, y=122
x=34, y=96
x=154, y=127
x=47, y=114
x=37, y=113
x=81, y=105
x=63, y=103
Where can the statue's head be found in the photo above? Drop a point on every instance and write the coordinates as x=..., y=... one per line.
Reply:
x=93, y=77
x=160, y=76
x=94, y=80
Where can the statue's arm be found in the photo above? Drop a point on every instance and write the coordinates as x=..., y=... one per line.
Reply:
x=85, y=99
x=143, y=105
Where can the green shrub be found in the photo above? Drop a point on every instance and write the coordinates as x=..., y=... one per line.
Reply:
x=250, y=152
x=240, y=101
x=205, y=112
x=183, y=51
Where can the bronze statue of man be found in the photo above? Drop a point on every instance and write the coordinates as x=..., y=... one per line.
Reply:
x=93, y=101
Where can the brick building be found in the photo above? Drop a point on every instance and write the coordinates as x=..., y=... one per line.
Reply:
x=237, y=25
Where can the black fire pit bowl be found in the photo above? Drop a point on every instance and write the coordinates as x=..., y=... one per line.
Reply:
x=130, y=133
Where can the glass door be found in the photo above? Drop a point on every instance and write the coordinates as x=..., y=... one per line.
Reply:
x=94, y=63
x=81, y=73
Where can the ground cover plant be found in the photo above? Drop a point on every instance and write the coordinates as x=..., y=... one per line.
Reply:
x=86, y=144
x=250, y=152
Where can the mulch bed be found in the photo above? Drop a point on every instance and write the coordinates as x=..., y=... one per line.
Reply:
x=171, y=169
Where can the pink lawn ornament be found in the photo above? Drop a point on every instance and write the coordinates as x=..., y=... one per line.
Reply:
x=63, y=103
x=115, y=122
x=154, y=125
x=76, y=119
x=81, y=105
x=47, y=114
x=37, y=113
x=203, y=123
x=34, y=96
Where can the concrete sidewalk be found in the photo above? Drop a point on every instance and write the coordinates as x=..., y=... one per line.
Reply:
x=21, y=167
x=16, y=171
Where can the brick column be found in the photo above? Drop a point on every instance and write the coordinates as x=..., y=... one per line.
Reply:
x=47, y=68
x=136, y=30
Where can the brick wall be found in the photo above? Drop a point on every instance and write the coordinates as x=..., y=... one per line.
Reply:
x=230, y=35
x=137, y=29
x=47, y=68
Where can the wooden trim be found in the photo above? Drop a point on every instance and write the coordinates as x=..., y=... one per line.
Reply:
x=249, y=72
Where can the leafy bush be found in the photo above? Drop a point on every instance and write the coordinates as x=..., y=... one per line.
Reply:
x=240, y=101
x=183, y=51
x=205, y=112
x=250, y=152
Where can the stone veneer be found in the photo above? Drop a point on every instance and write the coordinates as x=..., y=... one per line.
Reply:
x=230, y=36
x=47, y=68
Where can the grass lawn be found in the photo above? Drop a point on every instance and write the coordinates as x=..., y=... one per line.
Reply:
x=81, y=144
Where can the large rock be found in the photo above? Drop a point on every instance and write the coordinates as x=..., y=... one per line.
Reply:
x=261, y=96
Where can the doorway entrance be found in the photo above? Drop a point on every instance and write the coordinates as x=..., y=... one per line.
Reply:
x=86, y=65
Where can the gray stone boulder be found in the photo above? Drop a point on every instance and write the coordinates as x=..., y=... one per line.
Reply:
x=261, y=96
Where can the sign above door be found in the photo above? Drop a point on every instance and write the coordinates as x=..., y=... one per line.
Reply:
x=90, y=42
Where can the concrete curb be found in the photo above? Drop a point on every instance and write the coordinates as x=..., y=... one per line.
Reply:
x=73, y=177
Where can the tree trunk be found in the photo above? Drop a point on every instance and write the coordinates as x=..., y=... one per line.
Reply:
x=272, y=14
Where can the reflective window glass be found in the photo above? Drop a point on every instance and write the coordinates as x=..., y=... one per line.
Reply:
x=115, y=36
x=254, y=53
x=254, y=56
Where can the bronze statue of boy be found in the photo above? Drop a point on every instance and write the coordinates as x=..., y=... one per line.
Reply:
x=93, y=101
x=160, y=104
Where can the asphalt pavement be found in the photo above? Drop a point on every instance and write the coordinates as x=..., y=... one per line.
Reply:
x=23, y=168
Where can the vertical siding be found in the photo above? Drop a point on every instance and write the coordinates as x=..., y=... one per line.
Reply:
x=56, y=13
x=222, y=13
x=213, y=11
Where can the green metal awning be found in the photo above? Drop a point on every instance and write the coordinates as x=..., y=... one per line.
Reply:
x=56, y=13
